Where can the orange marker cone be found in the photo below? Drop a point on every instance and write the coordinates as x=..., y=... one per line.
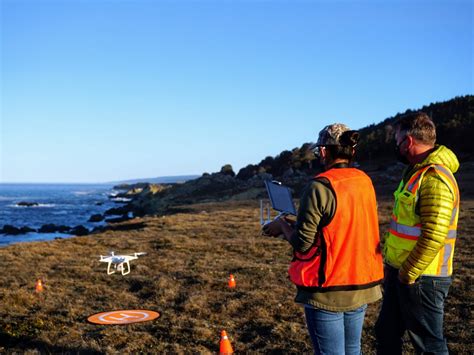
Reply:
x=231, y=281
x=225, y=347
x=39, y=286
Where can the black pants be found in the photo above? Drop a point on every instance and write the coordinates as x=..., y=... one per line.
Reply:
x=417, y=309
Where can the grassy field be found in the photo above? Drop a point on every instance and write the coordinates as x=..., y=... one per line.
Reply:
x=184, y=277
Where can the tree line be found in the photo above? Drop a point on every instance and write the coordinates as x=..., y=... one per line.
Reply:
x=454, y=121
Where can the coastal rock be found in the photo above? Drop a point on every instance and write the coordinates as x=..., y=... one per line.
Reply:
x=9, y=229
x=227, y=170
x=117, y=211
x=209, y=187
x=53, y=228
x=27, y=204
x=27, y=229
x=124, y=218
x=48, y=228
x=96, y=218
x=134, y=191
x=213, y=187
x=99, y=229
x=12, y=230
x=138, y=185
x=154, y=188
x=63, y=229
x=140, y=189
x=79, y=231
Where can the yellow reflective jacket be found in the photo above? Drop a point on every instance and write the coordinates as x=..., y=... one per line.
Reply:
x=422, y=230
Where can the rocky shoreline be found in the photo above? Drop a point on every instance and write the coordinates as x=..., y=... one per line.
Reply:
x=112, y=215
x=136, y=200
x=145, y=199
x=141, y=199
x=225, y=186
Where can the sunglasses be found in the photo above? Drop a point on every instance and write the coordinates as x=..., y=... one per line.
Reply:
x=317, y=150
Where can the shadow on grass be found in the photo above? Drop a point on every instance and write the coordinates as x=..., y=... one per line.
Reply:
x=125, y=227
x=172, y=210
x=11, y=343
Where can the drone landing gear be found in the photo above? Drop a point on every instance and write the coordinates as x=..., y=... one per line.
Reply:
x=118, y=267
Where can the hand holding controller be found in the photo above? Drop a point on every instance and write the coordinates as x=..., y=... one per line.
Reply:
x=276, y=227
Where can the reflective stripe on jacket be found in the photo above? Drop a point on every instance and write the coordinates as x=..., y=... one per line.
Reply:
x=346, y=254
x=405, y=226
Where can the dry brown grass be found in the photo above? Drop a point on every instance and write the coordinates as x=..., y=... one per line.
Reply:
x=184, y=277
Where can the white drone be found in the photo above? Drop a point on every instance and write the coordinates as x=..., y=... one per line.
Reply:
x=119, y=261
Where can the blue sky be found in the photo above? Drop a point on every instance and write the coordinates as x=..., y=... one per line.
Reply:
x=96, y=90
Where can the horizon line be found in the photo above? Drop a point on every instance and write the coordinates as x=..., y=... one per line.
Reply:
x=91, y=182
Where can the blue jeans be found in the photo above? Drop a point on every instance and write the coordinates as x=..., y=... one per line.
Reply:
x=417, y=309
x=335, y=332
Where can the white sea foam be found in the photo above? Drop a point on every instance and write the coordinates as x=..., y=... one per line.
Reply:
x=84, y=193
x=60, y=212
x=121, y=199
x=40, y=205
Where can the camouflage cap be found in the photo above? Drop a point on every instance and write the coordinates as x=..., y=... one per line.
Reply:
x=330, y=135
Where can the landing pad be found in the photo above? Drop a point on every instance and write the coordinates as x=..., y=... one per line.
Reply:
x=123, y=316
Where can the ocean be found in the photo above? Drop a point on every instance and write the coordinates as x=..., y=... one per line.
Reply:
x=60, y=204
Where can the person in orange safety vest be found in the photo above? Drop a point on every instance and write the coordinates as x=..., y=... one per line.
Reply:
x=337, y=262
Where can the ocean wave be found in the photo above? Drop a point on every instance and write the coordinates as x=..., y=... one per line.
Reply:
x=14, y=198
x=39, y=205
x=84, y=193
x=57, y=204
x=121, y=199
x=62, y=212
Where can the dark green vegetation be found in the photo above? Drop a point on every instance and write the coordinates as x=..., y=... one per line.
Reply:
x=455, y=127
x=454, y=121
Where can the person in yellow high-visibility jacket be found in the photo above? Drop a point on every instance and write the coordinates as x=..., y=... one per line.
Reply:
x=419, y=246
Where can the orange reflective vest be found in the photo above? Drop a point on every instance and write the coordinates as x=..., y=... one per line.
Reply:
x=346, y=253
x=405, y=225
